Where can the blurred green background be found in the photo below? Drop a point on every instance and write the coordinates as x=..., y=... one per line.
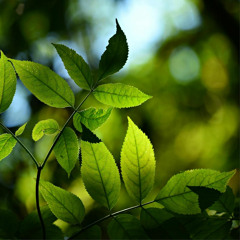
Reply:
x=185, y=53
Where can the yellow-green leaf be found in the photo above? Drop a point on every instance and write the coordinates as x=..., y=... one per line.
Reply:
x=7, y=143
x=137, y=163
x=45, y=84
x=44, y=127
x=67, y=150
x=20, y=130
x=7, y=83
x=100, y=173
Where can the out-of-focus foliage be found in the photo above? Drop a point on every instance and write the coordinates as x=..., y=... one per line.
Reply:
x=191, y=69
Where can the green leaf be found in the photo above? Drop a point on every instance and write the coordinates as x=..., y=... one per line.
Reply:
x=77, y=68
x=126, y=226
x=177, y=197
x=20, y=130
x=89, y=136
x=115, y=56
x=67, y=149
x=8, y=224
x=92, y=118
x=206, y=196
x=225, y=203
x=100, y=173
x=154, y=217
x=120, y=95
x=94, y=232
x=45, y=84
x=47, y=127
x=7, y=83
x=63, y=204
x=137, y=163
x=7, y=143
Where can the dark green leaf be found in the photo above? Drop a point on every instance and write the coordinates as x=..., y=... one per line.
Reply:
x=115, y=56
x=94, y=232
x=77, y=68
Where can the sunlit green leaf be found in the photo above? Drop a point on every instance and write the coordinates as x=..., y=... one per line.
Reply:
x=45, y=84
x=92, y=118
x=126, y=226
x=20, y=130
x=7, y=83
x=7, y=143
x=8, y=224
x=100, y=173
x=63, y=204
x=120, y=95
x=67, y=149
x=225, y=203
x=77, y=68
x=44, y=127
x=137, y=163
x=206, y=196
x=177, y=197
x=115, y=56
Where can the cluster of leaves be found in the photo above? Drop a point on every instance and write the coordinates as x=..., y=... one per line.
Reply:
x=197, y=203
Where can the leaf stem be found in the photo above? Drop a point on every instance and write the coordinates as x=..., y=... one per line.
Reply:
x=107, y=217
x=21, y=143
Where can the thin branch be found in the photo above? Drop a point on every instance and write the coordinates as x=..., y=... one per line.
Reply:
x=107, y=217
x=20, y=142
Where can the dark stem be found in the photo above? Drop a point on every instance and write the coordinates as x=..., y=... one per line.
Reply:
x=107, y=217
x=37, y=203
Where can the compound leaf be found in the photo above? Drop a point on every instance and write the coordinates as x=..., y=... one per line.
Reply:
x=126, y=226
x=45, y=84
x=120, y=95
x=115, y=56
x=92, y=118
x=63, y=204
x=48, y=127
x=8, y=83
x=7, y=143
x=20, y=130
x=77, y=68
x=137, y=163
x=225, y=203
x=100, y=173
x=177, y=197
x=67, y=150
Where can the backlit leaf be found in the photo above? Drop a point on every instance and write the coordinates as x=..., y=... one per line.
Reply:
x=63, y=204
x=126, y=226
x=45, y=84
x=20, y=130
x=120, y=95
x=137, y=163
x=8, y=83
x=7, y=143
x=44, y=127
x=115, y=56
x=100, y=173
x=92, y=118
x=67, y=150
x=177, y=197
x=77, y=68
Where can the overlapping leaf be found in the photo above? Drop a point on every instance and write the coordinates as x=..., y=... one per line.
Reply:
x=20, y=130
x=177, y=197
x=126, y=226
x=137, y=163
x=7, y=143
x=77, y=68
x=67, y=150
x=100, y=173
x=63, y=204
x=115, y=56
x=92, y=118
x=7, y=83
x=120, y=95
x=48, y=127
x=45, y=84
